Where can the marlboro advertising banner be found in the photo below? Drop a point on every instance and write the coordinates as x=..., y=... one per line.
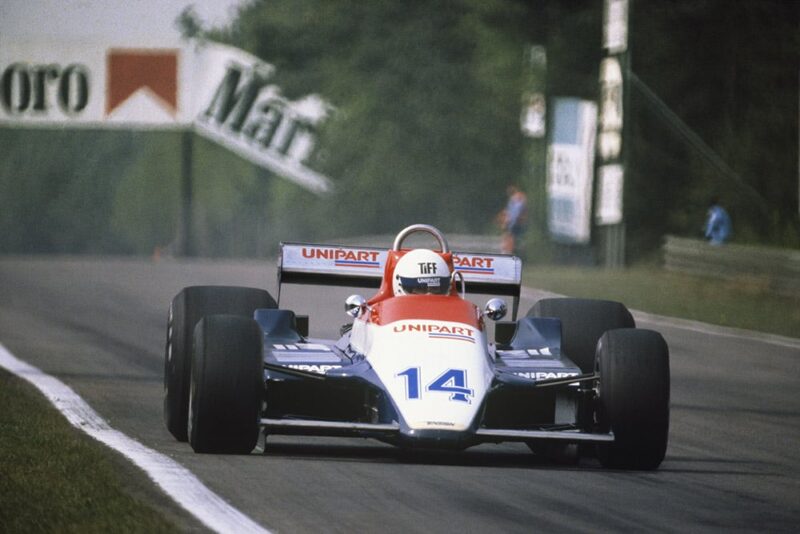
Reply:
x=222, y=92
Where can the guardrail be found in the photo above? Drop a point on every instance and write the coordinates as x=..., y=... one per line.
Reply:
x=777, y=269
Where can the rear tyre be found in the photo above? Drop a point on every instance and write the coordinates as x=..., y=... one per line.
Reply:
x=583, y=321
x=185, y=311
x=633, y=398
x=227, y=385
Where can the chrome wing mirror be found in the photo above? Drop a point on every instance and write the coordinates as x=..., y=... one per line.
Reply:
x=495, y=309
x=354, y=305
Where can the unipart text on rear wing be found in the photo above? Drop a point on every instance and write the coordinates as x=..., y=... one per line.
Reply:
x=303, y=263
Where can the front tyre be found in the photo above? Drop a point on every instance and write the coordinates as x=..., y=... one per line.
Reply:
x=227, y=385
x=187, y=308
x=633, y=398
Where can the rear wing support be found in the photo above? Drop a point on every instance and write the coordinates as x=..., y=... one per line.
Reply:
x=334, y=265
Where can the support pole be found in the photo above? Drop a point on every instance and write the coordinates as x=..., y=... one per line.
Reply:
x=614, y=138
x=185, y=245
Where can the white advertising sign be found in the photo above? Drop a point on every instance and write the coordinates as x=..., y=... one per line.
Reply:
x=534, y=114
x=570, y=170
x=236, y=106
x=609, y=194
x=82, y=84
x=615, y=26
x=223, y=92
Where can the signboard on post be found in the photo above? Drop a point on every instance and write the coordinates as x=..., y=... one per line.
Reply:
x=570, y=170
x=611, y=135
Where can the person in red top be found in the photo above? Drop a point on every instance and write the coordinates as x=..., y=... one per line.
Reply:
x=513, y=219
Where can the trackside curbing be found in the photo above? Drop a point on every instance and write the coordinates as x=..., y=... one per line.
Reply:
x=174, y=479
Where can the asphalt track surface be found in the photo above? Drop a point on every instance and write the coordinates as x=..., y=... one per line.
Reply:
x=733, y=463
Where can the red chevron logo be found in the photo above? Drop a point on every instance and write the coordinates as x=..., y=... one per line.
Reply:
x=132, y=69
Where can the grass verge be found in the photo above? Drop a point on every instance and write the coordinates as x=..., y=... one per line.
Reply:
x=54, y=478
x=744, y=303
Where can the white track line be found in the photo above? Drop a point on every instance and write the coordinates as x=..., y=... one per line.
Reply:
x=177, y=481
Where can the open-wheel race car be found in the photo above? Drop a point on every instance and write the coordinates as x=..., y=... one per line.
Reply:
x=415, y=368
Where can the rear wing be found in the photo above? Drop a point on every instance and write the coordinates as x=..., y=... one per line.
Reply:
x=334, y=265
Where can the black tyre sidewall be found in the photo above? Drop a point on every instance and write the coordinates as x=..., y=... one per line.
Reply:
x=226, y=385
x=633, y=401
x=187, y=309
x=176, y=392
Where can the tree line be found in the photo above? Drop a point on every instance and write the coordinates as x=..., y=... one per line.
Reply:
x=428, y=94
x=428, y=97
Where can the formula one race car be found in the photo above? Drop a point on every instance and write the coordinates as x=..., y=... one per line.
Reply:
x=414, y=368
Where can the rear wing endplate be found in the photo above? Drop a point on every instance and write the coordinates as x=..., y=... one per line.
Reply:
x=334, y=265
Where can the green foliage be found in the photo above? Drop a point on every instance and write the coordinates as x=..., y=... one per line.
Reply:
x=146, y=202
x=428, y=100
x=427, y=97
x=87, y=191
x=426, y=129
x=573, y=37
x=229, y=200
x=188, y=22
x=56, y=189
x=728, y=69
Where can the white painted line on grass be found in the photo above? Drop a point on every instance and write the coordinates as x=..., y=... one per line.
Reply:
x=177, y=481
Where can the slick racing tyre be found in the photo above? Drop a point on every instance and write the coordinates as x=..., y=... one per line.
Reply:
x=583, y=321
x=633, y=398
x=185, y=311
x=227, y=385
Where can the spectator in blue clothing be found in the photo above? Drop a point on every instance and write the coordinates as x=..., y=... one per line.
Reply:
x=718, y=225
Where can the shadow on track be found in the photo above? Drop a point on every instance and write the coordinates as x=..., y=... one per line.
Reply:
x=500, y=456
x=497, y=456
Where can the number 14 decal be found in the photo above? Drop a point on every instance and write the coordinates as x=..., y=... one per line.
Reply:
x=453, y=381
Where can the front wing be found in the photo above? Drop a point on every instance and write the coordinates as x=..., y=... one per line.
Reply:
x=396, y=432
